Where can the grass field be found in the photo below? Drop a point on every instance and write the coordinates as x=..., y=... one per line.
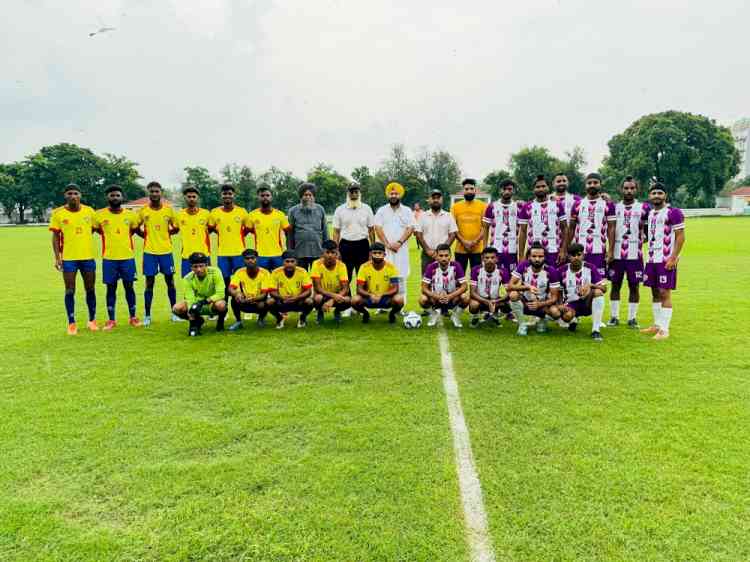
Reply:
x=325, y=444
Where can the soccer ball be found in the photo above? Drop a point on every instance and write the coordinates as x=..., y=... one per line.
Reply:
x=412, y=320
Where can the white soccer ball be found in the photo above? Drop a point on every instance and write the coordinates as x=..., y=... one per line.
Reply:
x=412, y=321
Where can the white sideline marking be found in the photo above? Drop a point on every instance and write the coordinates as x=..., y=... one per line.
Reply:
x=468, y=481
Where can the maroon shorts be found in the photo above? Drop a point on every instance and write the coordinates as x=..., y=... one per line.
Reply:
x=581, y=307
x=539, y=312
x=599, y=261
x=656, y=275
x=618, y=269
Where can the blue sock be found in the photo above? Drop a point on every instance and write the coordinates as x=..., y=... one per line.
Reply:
x=91, y=304
x=148, y=296
x=70, y=307
x=130, y=297
x=172, y=294
x=111, y=300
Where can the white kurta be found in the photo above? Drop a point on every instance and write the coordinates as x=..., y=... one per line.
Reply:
x=394, y=223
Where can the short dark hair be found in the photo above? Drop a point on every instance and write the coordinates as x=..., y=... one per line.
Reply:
x=629, y=179
x=227, y=187
x=443, y=248
x=558, y=174
x=506, y=182
x=153, y=184
x=489, y=250
x=306, y=186
x=330, y=245
x=263, y=187
x=190, y=189
x=113, y=187
x=288, y=255
x=249, y=252
x=198, y=257
x=540, y=177
x=575, y=248
x=72, y=186
x=469, y=181
x=593, y=176
x=377, y=247
x=536, y=245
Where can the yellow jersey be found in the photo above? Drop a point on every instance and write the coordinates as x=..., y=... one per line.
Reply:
x=252, y=286
x=231, y=229
x=291, y=286
x=156, y=225
x=331, y=280
x=116, y=230
x=76, y=234
x=194, y=232
x=267, y=229
x=468, y=217
x=377, y=281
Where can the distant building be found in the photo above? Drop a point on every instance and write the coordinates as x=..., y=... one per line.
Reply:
x=737, y=201
x=741, y=134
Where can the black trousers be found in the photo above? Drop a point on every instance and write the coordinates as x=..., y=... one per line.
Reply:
x=466, y=259
x=354, y=253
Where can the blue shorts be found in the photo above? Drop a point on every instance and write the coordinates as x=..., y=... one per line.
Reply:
x=157, y=263
x=229, y=264
x=270, y=262
x=112, y=270
x=185, y=266
x=71, y=266
x=384, y=302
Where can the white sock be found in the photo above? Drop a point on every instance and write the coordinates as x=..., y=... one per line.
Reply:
x=666, y=318
x=656, y=307
x=597, y=311
x=614, y=309
x=632, y=310
x=517, y=308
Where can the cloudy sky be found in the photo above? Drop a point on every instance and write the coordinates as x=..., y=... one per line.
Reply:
x=295, y=82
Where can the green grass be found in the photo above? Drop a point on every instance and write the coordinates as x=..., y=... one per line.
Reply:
x=329, y=444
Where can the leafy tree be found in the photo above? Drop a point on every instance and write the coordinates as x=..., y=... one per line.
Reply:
x=372, y=186
x=331, y=186
x=400, y=168
x=123, y=172
x=437, y=170
x=527, y=163
x=244, y=181
x=15, y=194
x=687, y=150
x=200, y=177
x=284, y=186
x=491, y=182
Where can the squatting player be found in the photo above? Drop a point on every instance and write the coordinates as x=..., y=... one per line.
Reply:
x=488, y=289
x=534, y=290
x=627, y=258
x=543, y=220
x=249, y=288
x=378, y=286
x=444, y=287
x=583, y=292
x=331, y=283
x=159, y=222
x=193, y=224
x=116, y=226
x=291, y=291
x=665, y=235
x=72, y=237
x=204, y=294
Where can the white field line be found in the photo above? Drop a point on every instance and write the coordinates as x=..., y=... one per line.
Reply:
x=468, y=482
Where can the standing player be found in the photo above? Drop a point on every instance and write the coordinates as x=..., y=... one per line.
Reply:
x=116, y=225
x=193, y=224
x=378, y=286
x=560, y=183
x=444, y=287
x=330, y=283
x=592, y=225
x=468, y=214
x=500, y=229
x=628, y=254
x=488, y=291
x=534, y=290
x=249, y=288
x=665, y=235
x=72, y=237
x=291, y=291
x=543, y=220
x=230, y=224
x=159, y=222
x=394, y=225
x=267, y=225
x=204, y=294
x=583, y=292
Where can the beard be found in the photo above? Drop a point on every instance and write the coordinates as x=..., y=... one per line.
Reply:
x=469, y=196
x=394, y=201
x=353, y=203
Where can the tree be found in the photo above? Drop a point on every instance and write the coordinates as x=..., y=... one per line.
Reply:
x=244, y=181
x=283, y=185
x=491, y=182
x=331, y=186
x=200, y=177
x=123, y=172
x=437, y=170
x=373, y=186
x=529, y=162
x=688, y=151
x=15, y=195
x=400, y=168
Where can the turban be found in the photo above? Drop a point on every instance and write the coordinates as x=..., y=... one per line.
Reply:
x=394, y=186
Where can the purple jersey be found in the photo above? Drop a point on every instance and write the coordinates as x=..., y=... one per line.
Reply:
x=545, y=279
x=489, y=284
x=592, y=217
x=503, y=222
x=569, y=199
x=543, y=220
x=571, y=281
x=629, y=230
x=662, y=225
x=444, y=280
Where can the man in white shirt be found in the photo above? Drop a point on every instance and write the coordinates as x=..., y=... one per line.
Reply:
x=353, y=230
x=394, y=224
x=434, y=227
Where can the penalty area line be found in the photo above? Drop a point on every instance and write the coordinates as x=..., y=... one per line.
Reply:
x=475, y=516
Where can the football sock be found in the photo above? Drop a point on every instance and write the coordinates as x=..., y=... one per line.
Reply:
x=597, y=311
x=632, y=310
x=91, y=304
x=614, y=309
x=111, y=299
x=70, y=307
x=656, y=307
x=236, y=310
x=130, y=297
x=148, y=297
x=517, y=308
x=172, y=294
x=666, y=318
